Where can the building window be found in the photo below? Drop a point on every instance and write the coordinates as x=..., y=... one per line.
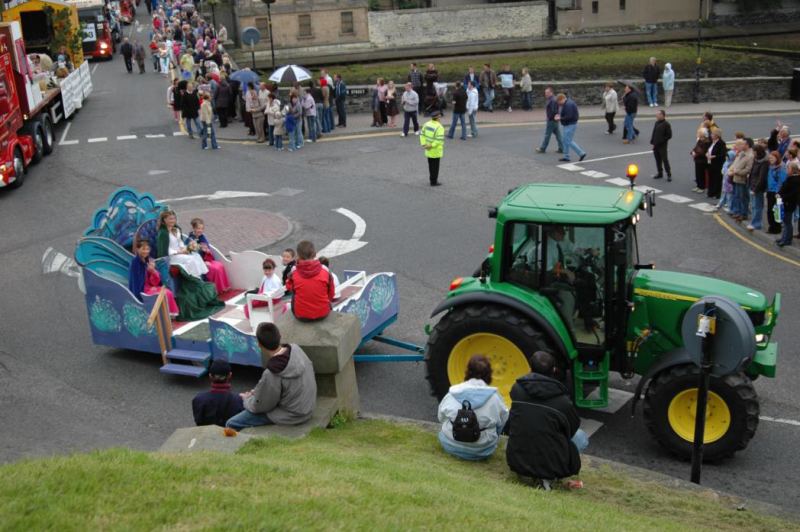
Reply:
x=304, y=26
x=347, y=23
x=262, y=24
x=595, y=7
x=622, y=5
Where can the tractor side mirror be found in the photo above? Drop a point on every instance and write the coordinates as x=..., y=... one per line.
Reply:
x=492, y=212
x=650, y=199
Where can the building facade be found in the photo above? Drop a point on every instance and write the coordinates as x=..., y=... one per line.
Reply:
x=582, y=15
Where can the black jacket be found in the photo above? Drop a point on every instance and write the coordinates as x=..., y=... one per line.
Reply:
x=790, y=193
x=222, y=98
x=662, y=132
x=758, y=175
x=190, y=105
x=651, y=73
x=720, y=153
x=460, y=101
x=217, y=406
x=541, y=425
x=631, y=102
x=126, y=50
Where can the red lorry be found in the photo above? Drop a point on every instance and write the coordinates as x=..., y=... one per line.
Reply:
x=31, y=103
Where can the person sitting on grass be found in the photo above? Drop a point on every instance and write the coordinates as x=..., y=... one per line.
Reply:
x=218, y=405
x=287, y=391
x=544, y=435
x=490, y=411
x=311, y=285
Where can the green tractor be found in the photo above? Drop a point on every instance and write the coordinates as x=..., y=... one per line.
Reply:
x=564, y=275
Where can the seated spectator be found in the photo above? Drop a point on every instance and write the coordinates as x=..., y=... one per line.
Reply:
x=485, y=401
x=287, y=391
x=544, y=438
x=217, y=406
x=216, y=270
x=288, y=258
x=143, y=278
x=311, y=285
x=325, y=261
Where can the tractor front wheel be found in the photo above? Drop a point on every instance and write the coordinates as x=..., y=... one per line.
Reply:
x=507, y=338
x=670, y=407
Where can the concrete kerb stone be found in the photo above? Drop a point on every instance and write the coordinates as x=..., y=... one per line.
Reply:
x=638, y=473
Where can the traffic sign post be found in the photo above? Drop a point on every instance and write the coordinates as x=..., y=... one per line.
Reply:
x=251, y=36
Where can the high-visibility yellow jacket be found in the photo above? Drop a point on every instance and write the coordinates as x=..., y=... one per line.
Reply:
x=433, y=134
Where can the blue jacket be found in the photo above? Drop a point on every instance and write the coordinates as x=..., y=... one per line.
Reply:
x=775, y=178
x=569, y=113
x=339, y=90
x=475, y=82
x=551, y=108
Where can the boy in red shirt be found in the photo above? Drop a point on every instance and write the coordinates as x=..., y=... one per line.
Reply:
x=311, y=285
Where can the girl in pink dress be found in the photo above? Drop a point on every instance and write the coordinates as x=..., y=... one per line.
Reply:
x=216, y=270
x=143, y=277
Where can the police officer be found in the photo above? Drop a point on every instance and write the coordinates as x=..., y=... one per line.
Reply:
x=432, y=141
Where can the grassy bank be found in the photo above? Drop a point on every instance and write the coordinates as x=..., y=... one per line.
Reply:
x=586, y=63
x=367, y=475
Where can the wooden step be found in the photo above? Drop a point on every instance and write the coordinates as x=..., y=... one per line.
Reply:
x=184, y=370
x=188, y=355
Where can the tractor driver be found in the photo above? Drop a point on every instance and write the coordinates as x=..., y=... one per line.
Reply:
x=560, y=253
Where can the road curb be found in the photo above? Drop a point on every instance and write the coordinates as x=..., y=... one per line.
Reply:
x=761, y=238
x=644, y=475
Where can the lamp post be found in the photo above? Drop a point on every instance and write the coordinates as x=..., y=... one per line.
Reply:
x=699, y=61
x=269, y=27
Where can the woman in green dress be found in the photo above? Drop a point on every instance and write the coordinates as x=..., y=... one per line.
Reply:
x=197, y=299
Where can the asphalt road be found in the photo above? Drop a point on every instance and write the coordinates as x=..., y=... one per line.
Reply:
x=61, y=393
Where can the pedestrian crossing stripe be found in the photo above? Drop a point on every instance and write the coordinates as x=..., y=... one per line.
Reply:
x=705, y=207
x=571, y=167
x=619, y=181
x=594, y=174
x=644, y=189
x=675, y=198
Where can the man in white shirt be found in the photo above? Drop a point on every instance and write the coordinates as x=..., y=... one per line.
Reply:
x=472, y=108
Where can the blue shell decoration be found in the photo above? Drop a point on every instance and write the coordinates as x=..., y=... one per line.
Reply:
x=135, y=320
x=381, y=294
x=103, y=316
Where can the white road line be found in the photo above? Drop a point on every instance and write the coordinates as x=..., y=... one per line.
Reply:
x=780, y=420
x=619, y=181
x=590, y=426
x=64, y=133
x=67, y=142
x=95, y=67
x=644, y=189
x=675, y=198
x=361, y=225
x=705, y=207
x=97, y=139
x=571, y=167
x=219, y=194
x=594, y=174
x=616, y=400
x=157, y=136
x=615, y=156
x=126, y=137
x=178, y=134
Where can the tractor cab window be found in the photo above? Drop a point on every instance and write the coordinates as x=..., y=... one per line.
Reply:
x=574, y=278
x=523, y=242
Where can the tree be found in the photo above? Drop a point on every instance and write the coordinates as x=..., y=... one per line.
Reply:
x=64, y=34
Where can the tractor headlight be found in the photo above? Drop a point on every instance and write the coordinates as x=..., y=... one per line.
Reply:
x=103, y=45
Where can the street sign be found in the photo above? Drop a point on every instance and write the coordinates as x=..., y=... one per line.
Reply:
x=251, y=36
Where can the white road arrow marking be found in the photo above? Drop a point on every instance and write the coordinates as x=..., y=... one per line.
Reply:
x=157, y=172
x=56, y=262
x=219, y=194
x=340, y=247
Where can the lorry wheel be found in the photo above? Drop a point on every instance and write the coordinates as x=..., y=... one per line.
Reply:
x=731, y=414
x=504, y=336
x=19, y=169
x=38, y=141
x=47, y=135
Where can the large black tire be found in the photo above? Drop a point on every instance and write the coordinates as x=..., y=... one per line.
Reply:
x=463, y=321
x=37, y=132
x=735, y=390
x=19, y=169
x=48, y=135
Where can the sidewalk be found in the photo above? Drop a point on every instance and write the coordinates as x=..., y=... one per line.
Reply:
x=359, y=124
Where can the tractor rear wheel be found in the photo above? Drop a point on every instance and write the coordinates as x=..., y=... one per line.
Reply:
x=507, y=338
x=731, y=415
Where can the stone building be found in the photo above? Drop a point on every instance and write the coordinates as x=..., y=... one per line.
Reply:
x=586, y=15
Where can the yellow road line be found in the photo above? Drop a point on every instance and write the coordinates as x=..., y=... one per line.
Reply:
x=759, y=247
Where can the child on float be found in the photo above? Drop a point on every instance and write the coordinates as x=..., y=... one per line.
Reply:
x=143, y=278
x=325, y=261
x=216, y=270
x=269, y=284
x=170, y=243
x=311, y=285
x=289, y=259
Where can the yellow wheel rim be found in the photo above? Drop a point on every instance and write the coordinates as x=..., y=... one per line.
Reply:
x=508, y=362
x=683, y=411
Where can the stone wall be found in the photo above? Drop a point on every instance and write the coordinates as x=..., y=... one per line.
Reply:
x=590, y=92
x=422, y=27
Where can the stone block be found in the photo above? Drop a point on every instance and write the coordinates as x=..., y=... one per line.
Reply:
x=324, y=411
x=342, y=386
x=329, y=343
x=208, y=438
